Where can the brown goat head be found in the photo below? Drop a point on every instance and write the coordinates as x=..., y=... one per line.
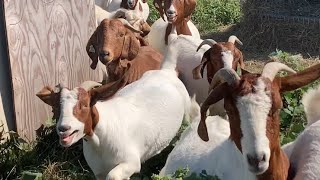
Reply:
x=253, y=104
x=178, y=10
x=112, y=40
x=220, y=55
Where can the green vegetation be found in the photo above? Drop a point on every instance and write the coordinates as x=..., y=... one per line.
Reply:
x=293, y=119
x=209, y=14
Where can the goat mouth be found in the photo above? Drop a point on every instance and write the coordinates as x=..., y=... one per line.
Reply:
x=67, y=139
x=172, y=18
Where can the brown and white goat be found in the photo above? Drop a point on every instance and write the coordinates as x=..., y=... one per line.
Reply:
x=218, y=56
x=117, y=47
x=253, y=104
x=178, y=14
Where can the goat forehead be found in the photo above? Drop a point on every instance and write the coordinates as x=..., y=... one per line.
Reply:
x=68, y=95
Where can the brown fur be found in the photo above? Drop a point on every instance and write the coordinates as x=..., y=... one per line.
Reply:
x=279, y=163
x=212, y=59
x=85, y=113
x=114, y=37
x=184, y=10
x=51, y=97
x=127, y=72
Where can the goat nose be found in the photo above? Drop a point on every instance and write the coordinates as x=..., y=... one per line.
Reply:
x=255, y=160
x=64, y=128
x=171, y=11
x=104, y=54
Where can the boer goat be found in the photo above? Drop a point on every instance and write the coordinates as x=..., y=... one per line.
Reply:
x=114, y=145
x=140, y=7
x=253, y=104
x=304, y=152
x=178, y=14
x=220, y=55
x=117, y=47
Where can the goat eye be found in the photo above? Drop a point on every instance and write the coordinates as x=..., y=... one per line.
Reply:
x=121, y=35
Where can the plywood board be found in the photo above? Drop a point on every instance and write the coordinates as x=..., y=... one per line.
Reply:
x=46, y=40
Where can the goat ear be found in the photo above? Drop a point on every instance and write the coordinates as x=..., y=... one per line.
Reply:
x=198, y=71
x=158, y=4
x=131, y=46
x=145, y=29
x=124, y=4
x=189, y=6
x=92, y=48
x=241, y=62
x=302, y=78
x=215, y=95
x=48, y=96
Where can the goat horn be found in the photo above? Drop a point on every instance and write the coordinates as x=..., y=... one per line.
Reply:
x=209, y=42
x=224, y=75
x=88, y=85
x=128, y=25
x=271, y=69
x=234, y=39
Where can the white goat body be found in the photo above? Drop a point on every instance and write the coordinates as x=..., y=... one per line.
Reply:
x=219, y=156
x=112, y=6
x=304, y=152
x=157, y=33
x=137, y=123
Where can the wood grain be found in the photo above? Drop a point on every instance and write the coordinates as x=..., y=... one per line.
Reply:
x=47, y=40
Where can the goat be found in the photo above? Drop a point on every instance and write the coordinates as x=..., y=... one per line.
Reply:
x=304, y=152
x=178, y=15
x=138, y=6
x=118, y=48
x=218, y=156
x=253, y=104
x=215, y=57
x=114, y=144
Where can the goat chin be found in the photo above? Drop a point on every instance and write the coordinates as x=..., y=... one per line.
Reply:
x=213, y=156
x=156, y=36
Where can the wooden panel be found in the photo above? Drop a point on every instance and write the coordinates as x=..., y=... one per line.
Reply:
x=47, y=40
x=6, y=101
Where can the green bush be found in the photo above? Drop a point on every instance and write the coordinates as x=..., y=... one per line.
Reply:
x=181, y=174
x=209, y=14
x=292, y=116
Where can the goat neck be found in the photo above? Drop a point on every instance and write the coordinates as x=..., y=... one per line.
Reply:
x=181, y=27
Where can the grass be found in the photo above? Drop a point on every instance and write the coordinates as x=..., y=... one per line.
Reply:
x=47, y=157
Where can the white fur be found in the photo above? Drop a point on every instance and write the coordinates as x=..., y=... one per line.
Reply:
x=253, y=110
x=157, y=34
x=219, y=156
x=227, y=59
x=136, y=124
x=304, y=152
x=112, y=6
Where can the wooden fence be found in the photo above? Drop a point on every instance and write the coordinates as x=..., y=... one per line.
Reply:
x=46, y=46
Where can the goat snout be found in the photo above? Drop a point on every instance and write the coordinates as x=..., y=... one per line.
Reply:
x=131, y=3
x=171, y=12
x=257, y=162
x=64, y=128
x=104, y=56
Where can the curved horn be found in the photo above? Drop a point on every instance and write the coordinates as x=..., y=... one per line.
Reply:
x=234, y=39
x=209, y=42
x=271, y=69
x=128, y=25
x=224, y=75
x=88, y=85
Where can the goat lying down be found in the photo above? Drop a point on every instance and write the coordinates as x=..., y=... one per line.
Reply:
x=235, y=153
x=116, y=46
x=114, y=145
x=304, y=152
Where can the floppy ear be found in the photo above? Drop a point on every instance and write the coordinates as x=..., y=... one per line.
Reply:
x=198, y=71
x=48, y=96
x=145, y=29
x=189, y=6
x=159, y=6
x=241, y=63
x=215, y=95
x=131, y=46
x=92, y=48
x=298, y=80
